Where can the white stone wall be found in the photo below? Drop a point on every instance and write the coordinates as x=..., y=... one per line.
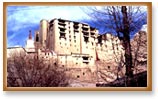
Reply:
x=43, y=32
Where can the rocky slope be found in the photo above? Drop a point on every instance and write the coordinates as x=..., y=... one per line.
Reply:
x=139, y=50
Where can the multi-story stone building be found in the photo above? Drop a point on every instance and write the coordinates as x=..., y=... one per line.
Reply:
x=79, y=47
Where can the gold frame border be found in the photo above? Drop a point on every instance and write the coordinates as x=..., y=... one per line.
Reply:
x=149, y=42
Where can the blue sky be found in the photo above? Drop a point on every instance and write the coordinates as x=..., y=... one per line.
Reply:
x=21, y=19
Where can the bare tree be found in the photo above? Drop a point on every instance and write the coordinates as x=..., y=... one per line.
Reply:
x=123, y=21
x=29, y=71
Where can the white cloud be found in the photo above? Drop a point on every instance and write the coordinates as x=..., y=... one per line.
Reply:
x=23, y=17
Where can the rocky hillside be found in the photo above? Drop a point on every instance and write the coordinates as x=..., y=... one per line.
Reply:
x=139, y=50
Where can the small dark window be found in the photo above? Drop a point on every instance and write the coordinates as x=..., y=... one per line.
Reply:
x=62, y=35
x=55, y=64
x=86, y=39
x=85, y=58
x=78, y=76
x=37, y=38
x=99, y=39
x=108, y=67
x=83, y=73
x=92, y=43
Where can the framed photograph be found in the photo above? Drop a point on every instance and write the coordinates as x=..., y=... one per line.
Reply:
x=77, y=46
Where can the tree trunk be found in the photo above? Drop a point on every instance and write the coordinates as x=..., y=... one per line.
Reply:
x=126, y=41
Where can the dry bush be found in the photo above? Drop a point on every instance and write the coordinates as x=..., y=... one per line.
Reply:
x=29, y=71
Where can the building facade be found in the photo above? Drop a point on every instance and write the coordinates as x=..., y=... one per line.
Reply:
x=79, y=47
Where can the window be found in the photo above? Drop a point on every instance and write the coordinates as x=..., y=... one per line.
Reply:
x=99, y=39
x=78, y=76
x=92, y=43
x=62, y=35
x=85, y=59
x=85, y=28
x=83, y=73
x=37, y=38
x=108, y=67
x=86, y=39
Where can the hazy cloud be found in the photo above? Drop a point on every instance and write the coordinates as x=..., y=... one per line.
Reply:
x=22, y=18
